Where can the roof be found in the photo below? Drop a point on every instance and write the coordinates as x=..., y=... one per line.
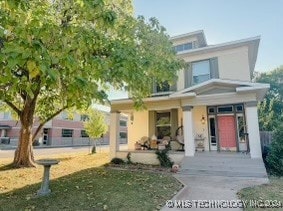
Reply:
x=239, y=87
x=199, y=34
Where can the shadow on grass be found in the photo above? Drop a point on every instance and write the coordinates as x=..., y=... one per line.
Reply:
x=6, y=167
x=10, y=166
x=97, y=189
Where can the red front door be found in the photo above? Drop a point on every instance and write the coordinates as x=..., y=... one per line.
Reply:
x=227, y=133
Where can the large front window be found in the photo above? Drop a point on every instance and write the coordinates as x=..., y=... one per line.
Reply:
x=200, y=71
x=163, y=124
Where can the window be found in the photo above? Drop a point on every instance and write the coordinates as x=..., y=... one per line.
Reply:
x=239, y=108
x=84, y=134
x=183, y=47
x=123, y=123
x=84, y=117
x=163, y=87
x=163, y=124
x=211, y=110
x=123, y=135
x=200, y=71
x=67, y=133
x=241, y=128
x=225, y=109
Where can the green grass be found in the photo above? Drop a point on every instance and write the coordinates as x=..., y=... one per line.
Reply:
x=77, y=186
x=264, y=193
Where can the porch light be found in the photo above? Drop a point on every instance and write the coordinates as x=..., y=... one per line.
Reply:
x=202, y=120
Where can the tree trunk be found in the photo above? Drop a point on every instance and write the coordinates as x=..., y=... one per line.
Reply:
x=24, y=154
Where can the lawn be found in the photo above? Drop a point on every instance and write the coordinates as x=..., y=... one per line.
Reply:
x=80, y=182
x=267, y=193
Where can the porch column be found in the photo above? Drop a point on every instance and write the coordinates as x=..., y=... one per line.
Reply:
x=114, y=133
x=253, y=129
x=188, y=131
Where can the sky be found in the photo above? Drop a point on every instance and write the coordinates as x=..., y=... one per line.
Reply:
x=222, y=21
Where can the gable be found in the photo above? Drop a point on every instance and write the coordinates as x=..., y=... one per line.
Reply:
x=215, y=90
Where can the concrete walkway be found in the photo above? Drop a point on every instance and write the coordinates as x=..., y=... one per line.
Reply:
x=211, y=181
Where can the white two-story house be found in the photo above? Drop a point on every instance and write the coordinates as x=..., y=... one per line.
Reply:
x=213, y=104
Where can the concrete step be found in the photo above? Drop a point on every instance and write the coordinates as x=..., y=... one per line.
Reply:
x=226, y=168
x=261, y=174
x=219, y=164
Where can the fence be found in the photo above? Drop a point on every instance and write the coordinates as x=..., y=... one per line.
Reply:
x=265, y=138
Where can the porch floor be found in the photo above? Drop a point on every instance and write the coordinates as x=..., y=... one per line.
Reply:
x=223, y=164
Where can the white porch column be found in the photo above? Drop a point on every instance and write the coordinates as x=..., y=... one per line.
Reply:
x=253, y=129
x=114, y=133
x=189, y=140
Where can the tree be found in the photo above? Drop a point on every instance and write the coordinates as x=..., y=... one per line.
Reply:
x=56, y=55
x=275, y=156
x=95, y=124
x=271, y=109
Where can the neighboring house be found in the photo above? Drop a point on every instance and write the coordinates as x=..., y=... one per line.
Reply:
x=214, y=101
x=63, y=130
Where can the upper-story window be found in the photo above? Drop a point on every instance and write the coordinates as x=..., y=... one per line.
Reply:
x=200, y=71
x=183, y=47
x=163, y=88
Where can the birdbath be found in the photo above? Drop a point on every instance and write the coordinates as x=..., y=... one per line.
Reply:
x=47, y=163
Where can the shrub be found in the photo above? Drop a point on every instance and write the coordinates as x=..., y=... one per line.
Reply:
x=275, y=156
x=117, y=161
x=164, y=159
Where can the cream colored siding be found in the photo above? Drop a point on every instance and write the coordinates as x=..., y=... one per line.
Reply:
x=200, y=128
x=138, y=128
x=181, y=80
x=184, y=40
x=235, y=65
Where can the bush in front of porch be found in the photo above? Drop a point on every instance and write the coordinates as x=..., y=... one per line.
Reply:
x=274, y=158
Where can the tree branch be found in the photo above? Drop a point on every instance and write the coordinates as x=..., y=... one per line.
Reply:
x=15, y=108
x=46, y=120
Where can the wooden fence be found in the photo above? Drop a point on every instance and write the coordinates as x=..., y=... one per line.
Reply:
x=265, y=138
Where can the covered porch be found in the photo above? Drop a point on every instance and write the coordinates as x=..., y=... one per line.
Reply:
x=216, y=116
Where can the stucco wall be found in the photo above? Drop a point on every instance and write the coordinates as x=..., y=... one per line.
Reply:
x=200, y=128
x=184, y=40
x=233, y=64
x=149, y=157
x=137, y=128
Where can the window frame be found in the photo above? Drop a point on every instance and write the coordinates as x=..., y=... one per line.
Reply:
x=209, y=71
x=63, y=134
x=84, y=134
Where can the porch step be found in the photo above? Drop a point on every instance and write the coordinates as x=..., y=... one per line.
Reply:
x=223, y=173
x=237, y=165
